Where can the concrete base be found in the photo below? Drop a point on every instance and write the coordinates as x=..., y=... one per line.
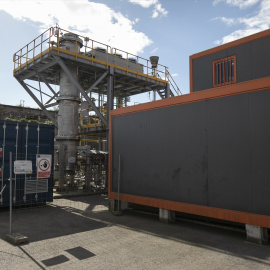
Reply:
x=115, y=207
x=166, y=216
x=16, y=239
x=256, y=234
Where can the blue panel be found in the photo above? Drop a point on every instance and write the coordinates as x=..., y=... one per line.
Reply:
x=46, y=146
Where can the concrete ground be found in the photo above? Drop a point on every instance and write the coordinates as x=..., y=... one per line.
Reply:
x=80, y=233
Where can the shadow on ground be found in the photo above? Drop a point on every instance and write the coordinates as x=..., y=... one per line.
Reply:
x=87, y=213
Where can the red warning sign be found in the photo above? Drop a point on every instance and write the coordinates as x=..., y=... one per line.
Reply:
x=44, y=166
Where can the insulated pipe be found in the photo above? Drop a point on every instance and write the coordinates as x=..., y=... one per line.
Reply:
x=68, y=113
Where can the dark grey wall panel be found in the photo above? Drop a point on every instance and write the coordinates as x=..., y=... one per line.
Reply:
x=244, y=61
x=163, y=153
x=260, y=56
x=203, y=69
x=214, y=153
x=252, y=62
x=228, y=153
x=260, y=151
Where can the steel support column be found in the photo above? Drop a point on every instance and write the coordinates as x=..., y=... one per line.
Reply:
x=167, y=91
x=110, y=97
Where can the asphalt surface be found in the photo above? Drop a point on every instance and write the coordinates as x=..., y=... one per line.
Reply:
x=80, y=233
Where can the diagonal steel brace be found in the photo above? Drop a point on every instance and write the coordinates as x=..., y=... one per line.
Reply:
x=79, y=88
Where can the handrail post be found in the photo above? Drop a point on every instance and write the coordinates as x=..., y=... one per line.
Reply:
x=41, y=46
x=115, y=56
x=76, y=43
x=147, y=70
x=58, y=41
x=34, y=46
x=21, y=60
x=10, y=193
x=127, y=64
x=107, y=57
x=92, y=54
x=27, y=55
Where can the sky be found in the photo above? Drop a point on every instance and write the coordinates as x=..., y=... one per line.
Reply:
x=170, y=29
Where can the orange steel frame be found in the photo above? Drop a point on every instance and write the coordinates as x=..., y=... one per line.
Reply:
x=225, y=214
x=222, y=91
x=221, y=48
x=221, y=61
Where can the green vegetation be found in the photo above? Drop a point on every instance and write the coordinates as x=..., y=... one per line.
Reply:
x=47, y=122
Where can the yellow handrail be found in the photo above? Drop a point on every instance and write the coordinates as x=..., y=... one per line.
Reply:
x=22, y=57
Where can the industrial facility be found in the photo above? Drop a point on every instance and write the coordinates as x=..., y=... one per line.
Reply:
x=92, y=79
x=204, y=153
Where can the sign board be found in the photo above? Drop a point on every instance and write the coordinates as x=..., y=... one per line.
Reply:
x=44, y=163
x=23, y=166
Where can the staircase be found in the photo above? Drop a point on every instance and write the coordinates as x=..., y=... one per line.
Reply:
x=174, y=89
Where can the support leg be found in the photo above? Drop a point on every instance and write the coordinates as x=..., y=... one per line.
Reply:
x=256, y=234
x=115, y=207
x=166, y=216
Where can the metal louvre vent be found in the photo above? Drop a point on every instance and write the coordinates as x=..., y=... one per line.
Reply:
x=42, y=185
x=36, y=186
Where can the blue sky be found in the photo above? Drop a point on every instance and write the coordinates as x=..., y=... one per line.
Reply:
x=171, y=29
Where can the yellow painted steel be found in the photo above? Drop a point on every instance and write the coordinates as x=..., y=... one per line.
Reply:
x=28, y=54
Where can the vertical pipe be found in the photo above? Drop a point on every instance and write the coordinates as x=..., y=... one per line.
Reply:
x=154, y=95
x=38, y=129
x=118, y=191
x=167, y=90
x=10, y=192
x=3, y=160
x=16, y=157
x=26, y=142
x=26, y=148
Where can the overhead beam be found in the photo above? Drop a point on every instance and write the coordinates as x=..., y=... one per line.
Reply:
x=79, y=88
x=97, y=81
x=43, y=67
x=22, y=83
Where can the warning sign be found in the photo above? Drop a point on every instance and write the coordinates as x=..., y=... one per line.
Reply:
x=44, y=166
x=22, y=166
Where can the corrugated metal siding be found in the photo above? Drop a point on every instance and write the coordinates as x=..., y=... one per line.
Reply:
x=46, y=146
x=213, y=153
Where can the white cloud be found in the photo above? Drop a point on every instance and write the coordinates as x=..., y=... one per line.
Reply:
x=250, y=25
x=153, y=51
x=228, y=21
x=158, y=9
x=144, y=3
x=97, y=21
x=238, y=3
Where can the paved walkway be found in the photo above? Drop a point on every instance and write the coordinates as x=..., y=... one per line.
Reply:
x=79, y=233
